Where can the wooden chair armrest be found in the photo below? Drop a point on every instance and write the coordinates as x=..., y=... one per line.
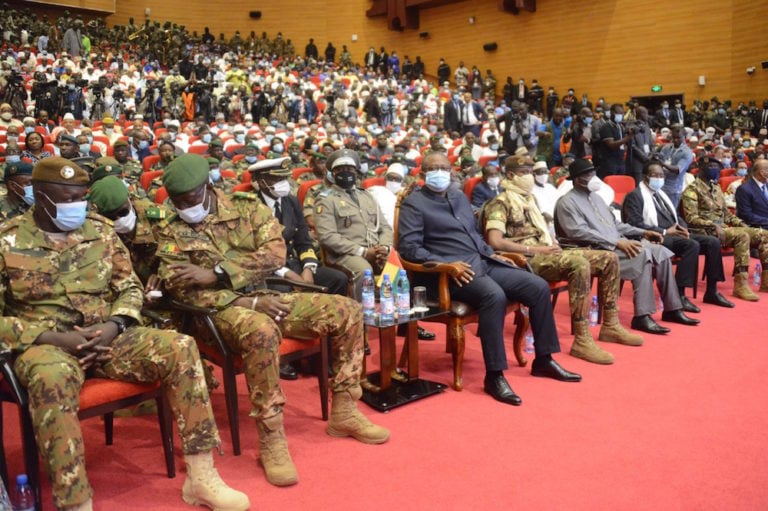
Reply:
x=451, y=269
x=518, y=259
x=303, y=286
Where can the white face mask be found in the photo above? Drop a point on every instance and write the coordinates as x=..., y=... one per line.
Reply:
x=594, y=184
x=541, y=179
x=394, y=186
x=494, y=181
x=196, y=213
x=125, y=224
x=282, y=188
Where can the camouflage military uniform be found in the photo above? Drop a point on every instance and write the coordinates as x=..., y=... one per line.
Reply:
x=703, y=205
x=46, y=284
x=10, y=209
x=132, y=170
x=508, y=213
x=247, y=242
x=142, y=245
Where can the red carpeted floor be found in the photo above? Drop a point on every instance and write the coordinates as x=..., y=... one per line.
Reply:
x=679, y=423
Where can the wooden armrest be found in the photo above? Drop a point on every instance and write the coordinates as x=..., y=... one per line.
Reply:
x=518, y=259
x=451, y=269
x=282, y=281
x=155, y=317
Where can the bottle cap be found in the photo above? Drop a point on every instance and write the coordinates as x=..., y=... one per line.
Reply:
x=21, y=479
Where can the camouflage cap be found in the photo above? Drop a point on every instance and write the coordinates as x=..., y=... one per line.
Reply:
x=272, y=167
x=108, y=194
x=185, y=173
x=60, y=171
x=105, y=170
x=20, y=168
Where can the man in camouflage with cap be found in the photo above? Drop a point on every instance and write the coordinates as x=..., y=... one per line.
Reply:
x=132, y=169
x=108, y=166
x=251, y=152
x=294, y=152
x=19, y=197
x=71, y=303
x=351, y=228
x=216, y=253
x=514, y=223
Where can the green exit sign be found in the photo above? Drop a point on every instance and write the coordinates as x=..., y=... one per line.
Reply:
x=656, y=88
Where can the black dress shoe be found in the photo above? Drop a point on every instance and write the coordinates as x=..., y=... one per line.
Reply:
x=288, y=372
x=647, y=324
x=549, y=368
x=678, y=316
x=688, y=306
x=717, y=299
x=499, y=389
x=426, y=335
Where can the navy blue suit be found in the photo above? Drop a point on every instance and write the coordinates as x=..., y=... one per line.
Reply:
x=751, y=204
x=482, y=193
x=436, y=228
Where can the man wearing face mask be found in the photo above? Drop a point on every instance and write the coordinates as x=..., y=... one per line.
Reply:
x=216, y=253
x=386, y=196
x=437, y=224
x=70, y=302
x=487, y=189
x=742, y=171
x=676, y=159
x=514, y=223
x=131, y=168
x=546, y=195
x=752, y=201
x=613, y=143
x=139, y=147
x=583, y=219
x=351, y=227
x=18, y=183
x=703, y=207
x=6, y=116
x=648, y=207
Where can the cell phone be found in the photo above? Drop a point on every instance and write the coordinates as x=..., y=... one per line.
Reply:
x=155, y=293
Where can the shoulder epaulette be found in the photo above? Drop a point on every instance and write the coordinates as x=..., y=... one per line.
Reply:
x=92, y=215
x=245, y=196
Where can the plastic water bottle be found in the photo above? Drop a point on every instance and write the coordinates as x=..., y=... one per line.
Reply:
x=757, y=275
x=23, y=496
x=386, y=301
x=593, y=311
x=403, y=295
x=528, y=334
x=369, y=295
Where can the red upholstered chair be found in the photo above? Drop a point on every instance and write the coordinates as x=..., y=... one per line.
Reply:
x=147, y=177
x=160, y=195
x=228, y=173
x=470, y=185
x=148, y=161
x=198, y=149
x=621, y=185
x=304, y=188
x=299, y=171
x=373, y=181
x=242, y=187
x=725, y=181
x=727, y=172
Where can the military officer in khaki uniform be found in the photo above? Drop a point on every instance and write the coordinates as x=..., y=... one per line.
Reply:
x=704, y=209
x=514, y=223
x=19, y=197
x=351, y=228
x=70, y=302
x=216, y=253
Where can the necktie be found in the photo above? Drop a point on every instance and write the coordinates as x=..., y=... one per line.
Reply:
x=278, y=211
x=765, y=117
x=765, y=190
x=680, y=116
x=662, y=207
x=666, y=113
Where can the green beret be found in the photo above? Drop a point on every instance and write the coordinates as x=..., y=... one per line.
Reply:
x=294, y=145
x=213, y=161
x=318, y=156
x=60, y=171
x=120, y=143
x=105, y=170
x=216, y=143
x=108, y=194
x=106, y=160
x=68, y=138
x=20, y=168
x=185, y=173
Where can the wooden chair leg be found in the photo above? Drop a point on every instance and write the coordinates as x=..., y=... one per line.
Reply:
x=518, y=340
x=109, y=427
x=458, y=344
x=166, y=432
x=322, y=378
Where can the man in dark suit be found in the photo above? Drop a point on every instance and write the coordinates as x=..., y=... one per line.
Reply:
x=521, y=91
x=760, y=121
x=472, y=115
x=452, y=115
x=486, y=189
x=437, y=224
x=662, y=117
x=372, y=59
x=752, y=197
x=677, y=114
x=648, y=207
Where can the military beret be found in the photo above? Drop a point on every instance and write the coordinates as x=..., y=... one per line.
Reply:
x=251, y=145
x=294, y=145
x=106, y=160
x=120, y=143
x=68, y=138
x=272, y=167
x=216, y=143
x=108, y=194
x=185, y=173
x=318, y=156
x=61, y=171
x=517, y=161
x=213, y=161
x=107, y=169
x=467, y=160
x=343, y=157
x=20, y=168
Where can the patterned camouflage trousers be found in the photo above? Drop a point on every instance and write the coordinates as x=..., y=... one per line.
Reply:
x=744, y=238
x=256, y=337
x=53, y=379
x=578, y=267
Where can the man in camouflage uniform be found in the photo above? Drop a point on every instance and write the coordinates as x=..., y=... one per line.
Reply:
x=514, y=223
x=251, y=151
x=108, y=166
x=18, y=183
x=351, y=228
x=216, y=253
x=318, y=165
x=704, y=209
x=294, y=152
x=131, y=168
x=223, y=183
x=71, y=303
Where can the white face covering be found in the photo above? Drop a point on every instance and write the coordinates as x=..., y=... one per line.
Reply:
x=196, y=213
x=541, y=178
x=282, y=188
x=594, y=184
x=125, y=224
x=394, y=186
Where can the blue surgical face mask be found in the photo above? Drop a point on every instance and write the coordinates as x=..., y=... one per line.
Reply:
x=269, y=138
x=727, y=162
x=29, y=129
x=85, y=148
x=278, y=148
x=618, y=118
x=438, y=180
x=747, y=143
x=741, y=171
x=29, y=196
x=315, y=147
x=12, y=158
x=656, y=183
x=143, y=144
x=215, y=174
x=251, y=159
x=240, y=138
x=273, y=122
x=329, y=176
x=206, y=138
x=69, y=215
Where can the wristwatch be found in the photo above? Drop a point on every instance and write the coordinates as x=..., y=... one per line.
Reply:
x=221, y=275
x=120, y=322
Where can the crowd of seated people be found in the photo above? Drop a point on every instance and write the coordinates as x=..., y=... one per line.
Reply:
x=152, y=132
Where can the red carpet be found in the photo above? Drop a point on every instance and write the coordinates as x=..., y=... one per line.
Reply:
x=679, y=423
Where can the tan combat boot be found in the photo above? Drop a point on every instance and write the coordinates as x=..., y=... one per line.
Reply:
x=85, y=506
x=764, y=281
x=204, y=487
x=585, y=347
x=612, y=331
x=346, y=420
x=741, y=288
x=273, y=452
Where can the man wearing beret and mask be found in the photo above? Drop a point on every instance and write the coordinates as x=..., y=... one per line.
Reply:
x=582, y=218
x=71, y=303
x=351, y=227
x=217, y=254
x=703, y=207
x=132, y=169
x=514, y=223
x=18, y=183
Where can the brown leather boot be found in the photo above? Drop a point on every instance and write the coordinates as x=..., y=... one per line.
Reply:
x=612, y=331
x=346, y=420
x=585, y=347
x=273, y=452
x=741, y=288
x=204, y=487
